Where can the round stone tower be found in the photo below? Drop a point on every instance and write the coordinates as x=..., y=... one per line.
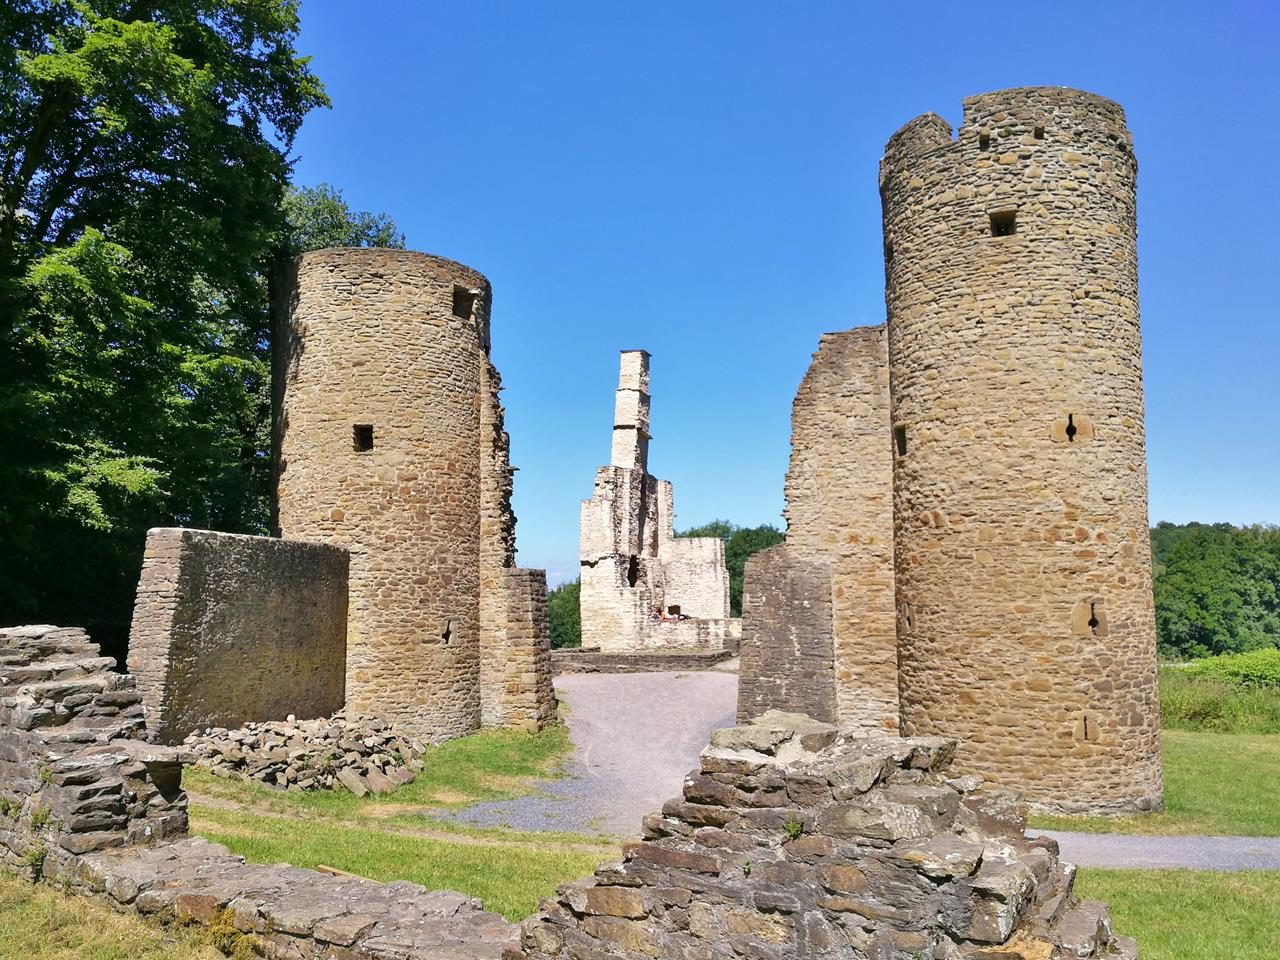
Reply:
x=379, y=362
x=1023, y=563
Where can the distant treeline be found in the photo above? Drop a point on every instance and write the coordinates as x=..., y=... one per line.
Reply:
x=1217, y=588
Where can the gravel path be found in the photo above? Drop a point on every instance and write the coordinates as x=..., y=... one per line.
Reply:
x=636, y=735
x=1157, y=853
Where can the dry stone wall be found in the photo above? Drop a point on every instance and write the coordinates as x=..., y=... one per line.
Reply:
x=796, y=841
x=632, y=564
x=390, y=443
x=1020, y=490
x=229, y=629
x=75, y=774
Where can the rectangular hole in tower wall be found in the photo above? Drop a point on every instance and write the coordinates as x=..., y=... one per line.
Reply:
x=1039, y=133
x=464, y=302
x=362, y=437
x=900, y=440
x=1004, y=223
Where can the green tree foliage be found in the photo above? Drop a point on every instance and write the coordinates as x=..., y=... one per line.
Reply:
x=318, y=217
x=565, y=616
x=740, y=543
x=1217, y=588
x=143, y=177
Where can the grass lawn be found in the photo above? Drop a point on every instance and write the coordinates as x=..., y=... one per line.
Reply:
x=1192, y=915
x=39, y=923
x=1214, y=783
x=389, y=838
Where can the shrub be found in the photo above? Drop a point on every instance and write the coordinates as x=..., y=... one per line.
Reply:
x=1190, y=702
x=1256, y=668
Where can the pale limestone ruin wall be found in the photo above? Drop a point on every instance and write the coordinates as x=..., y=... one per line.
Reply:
x=390, y=443
x=229, y=629
x=840, y=512
x=1020, y=481
x=1021, y=560
x=631, y=561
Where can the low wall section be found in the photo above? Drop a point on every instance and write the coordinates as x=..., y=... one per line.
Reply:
x=229, y=629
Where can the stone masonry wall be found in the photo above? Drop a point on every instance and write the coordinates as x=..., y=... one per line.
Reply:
x=229, y=629
x=788, y=638
x=839, y=493
x=380, y=361
x=75, y=775
x=796, y=841
x=515, y=633
x=1020, y=496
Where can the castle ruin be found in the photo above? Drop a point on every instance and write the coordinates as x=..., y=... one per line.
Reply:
x=643, y=588
x=390, y=447
x=1000, y=410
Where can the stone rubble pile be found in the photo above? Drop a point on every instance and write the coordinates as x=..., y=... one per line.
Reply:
x=795, y=841
x=354, y=751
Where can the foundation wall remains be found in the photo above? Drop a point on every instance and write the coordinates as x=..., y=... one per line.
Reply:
x=796, y=841
x=229, y=629
x=1020, y=492
x=390, y=443
x=632, y=564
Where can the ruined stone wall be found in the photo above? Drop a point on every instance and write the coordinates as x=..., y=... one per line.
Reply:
x=75, y=773
x=516, y=689
x=788, y=635
x=631, y=561
x=796, y=841
x=229, y=629
x=381, y=365
x=839, y=492
x=1020, y=508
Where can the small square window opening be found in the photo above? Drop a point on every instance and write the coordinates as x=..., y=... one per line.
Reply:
x=362, y=437
x=464, y=302
x=1004, y=223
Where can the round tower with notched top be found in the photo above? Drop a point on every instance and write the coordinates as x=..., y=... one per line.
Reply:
x=1022, y=555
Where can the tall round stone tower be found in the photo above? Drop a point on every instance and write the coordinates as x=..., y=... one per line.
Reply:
x=1020, y=492
x=380, y=357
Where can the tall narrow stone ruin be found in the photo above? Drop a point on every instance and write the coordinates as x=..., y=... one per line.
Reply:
x=643, y=588
x=1011, y=445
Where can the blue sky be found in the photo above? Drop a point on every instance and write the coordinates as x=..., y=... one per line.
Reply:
x=698, y=179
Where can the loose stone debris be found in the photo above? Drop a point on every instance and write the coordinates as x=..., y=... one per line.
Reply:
x=355, y=752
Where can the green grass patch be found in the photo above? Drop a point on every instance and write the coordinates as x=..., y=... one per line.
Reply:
x=1214, y=783
x=491, y=765
x=511, y=878
x=1222, y=694
x=1192, y=915
x=40, y=923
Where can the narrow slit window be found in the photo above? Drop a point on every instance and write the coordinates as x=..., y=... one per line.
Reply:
x=633, y=572
x=464, y=302
x=1072, y=429
x=1004, y=223
x=900, y=440
x=362, y=437
x=984, y=141
x=447, y=634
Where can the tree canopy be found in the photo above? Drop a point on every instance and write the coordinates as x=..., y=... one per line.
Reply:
x=144, y=165
x=1217, y=588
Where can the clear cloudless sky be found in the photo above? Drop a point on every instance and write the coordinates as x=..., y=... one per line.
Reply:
x=698, y=179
